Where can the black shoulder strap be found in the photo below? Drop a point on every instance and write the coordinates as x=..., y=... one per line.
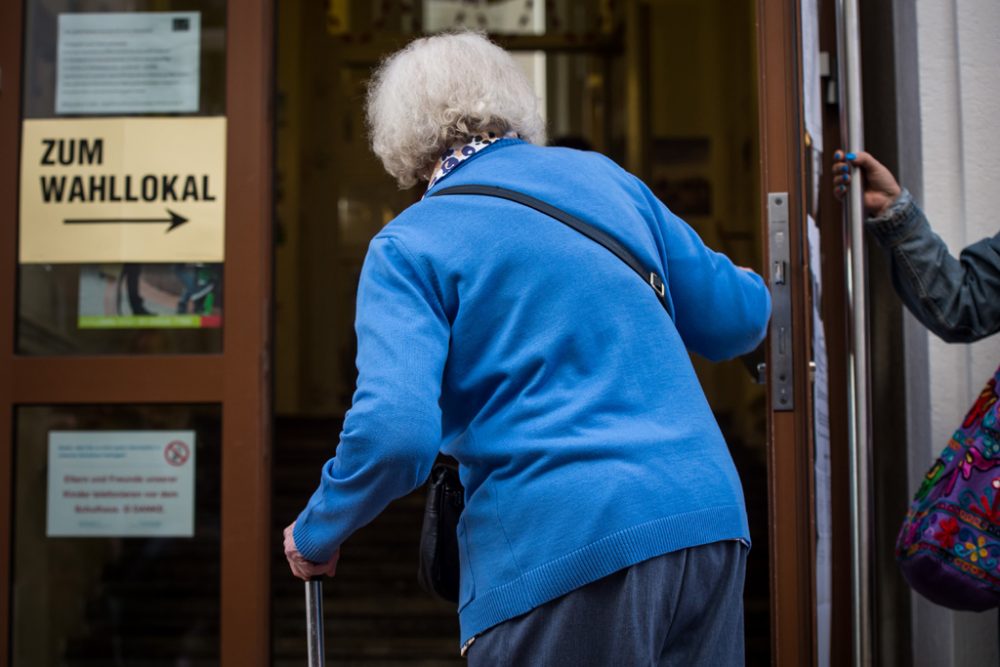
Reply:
x=651, y=278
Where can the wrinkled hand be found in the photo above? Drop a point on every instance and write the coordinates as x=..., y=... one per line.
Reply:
x=880, y=186
x=302, y=568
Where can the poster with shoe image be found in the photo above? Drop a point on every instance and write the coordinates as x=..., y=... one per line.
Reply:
x=150, y=296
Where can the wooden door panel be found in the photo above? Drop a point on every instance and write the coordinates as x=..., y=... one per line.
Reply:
x=790, y=460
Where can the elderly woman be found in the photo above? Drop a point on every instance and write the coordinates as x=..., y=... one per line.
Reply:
x=604, y=520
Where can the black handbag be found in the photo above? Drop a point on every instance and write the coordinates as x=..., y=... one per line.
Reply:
x=437, y=570
x=438, y=567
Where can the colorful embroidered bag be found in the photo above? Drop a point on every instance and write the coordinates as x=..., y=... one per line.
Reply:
x=949, y=545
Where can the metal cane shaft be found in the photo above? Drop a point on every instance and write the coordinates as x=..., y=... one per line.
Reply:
x=314, y=623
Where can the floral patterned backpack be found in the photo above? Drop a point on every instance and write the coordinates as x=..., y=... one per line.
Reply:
x=949, y=545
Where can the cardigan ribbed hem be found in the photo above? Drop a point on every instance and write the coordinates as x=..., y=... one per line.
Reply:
x=309, y=549
x=600, y=559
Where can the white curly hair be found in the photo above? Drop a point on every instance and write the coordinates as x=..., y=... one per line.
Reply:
x=443, y=89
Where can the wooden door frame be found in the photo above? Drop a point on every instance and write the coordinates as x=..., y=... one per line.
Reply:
x=790, y=456
x=11, y=22
x=247, y=405
x=239, y=379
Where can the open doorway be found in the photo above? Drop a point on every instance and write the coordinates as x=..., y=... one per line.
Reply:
x=665, y=87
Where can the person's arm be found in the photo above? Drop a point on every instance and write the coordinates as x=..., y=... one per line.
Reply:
x=957, y=299
x=392, y=432
x=720, y=310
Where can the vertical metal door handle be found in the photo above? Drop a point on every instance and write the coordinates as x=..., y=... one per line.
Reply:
x=858, y=382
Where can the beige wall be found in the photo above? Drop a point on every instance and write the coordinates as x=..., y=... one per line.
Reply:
x=953, y=170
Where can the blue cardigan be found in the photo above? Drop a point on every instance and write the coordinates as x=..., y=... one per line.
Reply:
x=553, y=375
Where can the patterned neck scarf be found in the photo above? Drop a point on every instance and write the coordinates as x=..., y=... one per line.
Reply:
x=460, y=152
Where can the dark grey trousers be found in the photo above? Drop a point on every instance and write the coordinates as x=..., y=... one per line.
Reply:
x=683, y=608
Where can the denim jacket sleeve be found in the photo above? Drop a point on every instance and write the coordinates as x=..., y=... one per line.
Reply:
x=957, y=299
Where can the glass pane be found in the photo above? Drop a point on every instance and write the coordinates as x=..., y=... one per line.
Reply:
x=119, y=308
x=577, y=19
x=73, y=69
x=141, y=596
x=41, y=40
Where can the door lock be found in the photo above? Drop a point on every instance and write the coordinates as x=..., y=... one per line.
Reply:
x=780, y=334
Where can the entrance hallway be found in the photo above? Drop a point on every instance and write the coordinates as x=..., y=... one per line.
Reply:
x=666, y=88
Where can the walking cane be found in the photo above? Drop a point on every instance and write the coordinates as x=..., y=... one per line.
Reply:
x=314, y=622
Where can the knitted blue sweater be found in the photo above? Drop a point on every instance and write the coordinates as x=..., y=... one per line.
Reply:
x=546, y=367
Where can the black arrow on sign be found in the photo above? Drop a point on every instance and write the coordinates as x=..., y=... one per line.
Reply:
x=175, y=220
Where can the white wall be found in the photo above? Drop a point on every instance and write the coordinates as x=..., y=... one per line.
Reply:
x=960, y=109
x=955, y=172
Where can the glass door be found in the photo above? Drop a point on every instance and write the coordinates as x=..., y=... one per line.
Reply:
x=135, y=227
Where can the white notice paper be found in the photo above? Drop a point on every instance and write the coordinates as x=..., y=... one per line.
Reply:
x=140, y=62
x=120, y=484
x=812, y=98
x=821, y=437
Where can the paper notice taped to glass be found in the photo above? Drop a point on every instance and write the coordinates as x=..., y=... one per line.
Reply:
x=117, y=63
x=822, y=471
x=120, y=484
x=134, y=190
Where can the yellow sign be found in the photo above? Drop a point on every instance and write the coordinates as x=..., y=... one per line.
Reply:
x=123, y=190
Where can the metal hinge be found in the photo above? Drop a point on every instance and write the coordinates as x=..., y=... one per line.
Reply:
x=828, y=71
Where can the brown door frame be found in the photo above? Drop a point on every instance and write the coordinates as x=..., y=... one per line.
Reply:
x=790, y=456
x=239, y=379
x=11, y=22
x=247, y=342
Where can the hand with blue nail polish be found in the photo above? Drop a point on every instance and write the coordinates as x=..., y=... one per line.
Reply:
x=880, y=186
